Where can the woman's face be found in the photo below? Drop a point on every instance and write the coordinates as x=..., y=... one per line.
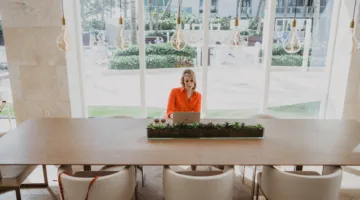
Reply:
x=189, y=82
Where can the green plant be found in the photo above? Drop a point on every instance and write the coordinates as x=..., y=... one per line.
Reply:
x=198, y=130
x=210, y=125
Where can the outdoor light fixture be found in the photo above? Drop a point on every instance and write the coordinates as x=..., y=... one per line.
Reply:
x=62, y=40
x=177, y=40
x=292, y=44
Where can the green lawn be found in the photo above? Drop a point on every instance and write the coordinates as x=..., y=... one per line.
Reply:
x=303, y=110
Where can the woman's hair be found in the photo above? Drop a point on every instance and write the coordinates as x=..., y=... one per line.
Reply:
x=190, y=73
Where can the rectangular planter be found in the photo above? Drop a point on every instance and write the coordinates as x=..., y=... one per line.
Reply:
x=203, y=133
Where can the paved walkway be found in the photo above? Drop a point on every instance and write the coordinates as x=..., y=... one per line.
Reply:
x=229, y=87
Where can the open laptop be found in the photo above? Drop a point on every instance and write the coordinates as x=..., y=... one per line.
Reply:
x=186, y=117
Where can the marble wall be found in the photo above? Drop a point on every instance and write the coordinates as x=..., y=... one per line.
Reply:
x=37, y=68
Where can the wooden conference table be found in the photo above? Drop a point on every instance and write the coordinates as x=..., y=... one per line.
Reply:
x=124, y=141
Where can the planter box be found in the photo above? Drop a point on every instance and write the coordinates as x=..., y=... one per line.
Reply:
x=204, y=133
x=253, y=39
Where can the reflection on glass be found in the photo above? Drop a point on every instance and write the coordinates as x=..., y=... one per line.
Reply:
x=292, y=44
x=62, y=40
x=122, y=40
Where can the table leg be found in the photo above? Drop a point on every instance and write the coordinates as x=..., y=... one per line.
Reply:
x=298, y=168
x=87, y=167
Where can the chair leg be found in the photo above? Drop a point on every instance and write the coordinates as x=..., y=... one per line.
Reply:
x=142, y=175
x=136, y=192
x=243, y=175
x=193, y=167
x=18, y=194
x=87, y=167
x=257, y=191
x=253, y=183
x=45, y=175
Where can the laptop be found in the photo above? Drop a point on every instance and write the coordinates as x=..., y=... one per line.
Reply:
x=186, y=117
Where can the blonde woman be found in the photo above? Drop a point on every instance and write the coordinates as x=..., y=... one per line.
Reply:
x=184, y=98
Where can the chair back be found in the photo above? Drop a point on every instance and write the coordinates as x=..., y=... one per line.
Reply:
x=280, y=185
x=120, y=185
x=213, y=186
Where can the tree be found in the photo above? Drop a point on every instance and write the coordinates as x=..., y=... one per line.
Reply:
x=133, y=22
x=150, y=15
x=316, y=18
x=286, y=5
x=157, y=15
x=98, y=9
x=257, y=16
x=305, y=6
x=167, y=9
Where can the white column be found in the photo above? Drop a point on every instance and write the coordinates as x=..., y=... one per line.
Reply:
x=330, y=56
x=343, y=100
x=75, y=69
x=268, y=35
x=205, y=54
x=142, y=62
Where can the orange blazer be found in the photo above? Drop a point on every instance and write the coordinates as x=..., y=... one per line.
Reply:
x=179, y=102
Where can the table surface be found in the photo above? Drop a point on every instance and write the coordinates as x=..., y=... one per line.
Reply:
x=124, y=141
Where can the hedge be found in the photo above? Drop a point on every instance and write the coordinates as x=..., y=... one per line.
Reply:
x=152, y=62
x=157, y=56
x=163, y=49
x=287, y=60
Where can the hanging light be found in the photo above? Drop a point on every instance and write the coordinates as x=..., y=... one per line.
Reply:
x=177, y=40
x=292, y=43
x=355, y=44
x=122, y=41
x=62, y=40
x=236, y=39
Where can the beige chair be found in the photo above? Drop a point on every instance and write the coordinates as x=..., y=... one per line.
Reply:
x=300, y=185
x=110, y=185
x=13, y=176
x=198, y=185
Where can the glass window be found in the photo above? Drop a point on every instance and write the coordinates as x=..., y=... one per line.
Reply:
x=165, y=64
x=5, y=89
x=234, y=74
x=112, y=76
x=297, y=79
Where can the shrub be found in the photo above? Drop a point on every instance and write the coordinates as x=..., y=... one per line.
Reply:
x=287, y=60
x=1, y=35
x=152, y=62
x=169, y=22
x=163, y=49
x=223, y=21
x=157, y=56
x=3, y=66
x=281, y=58
x=162, y=34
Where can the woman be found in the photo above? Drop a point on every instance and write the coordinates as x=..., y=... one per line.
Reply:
x=185, y=98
